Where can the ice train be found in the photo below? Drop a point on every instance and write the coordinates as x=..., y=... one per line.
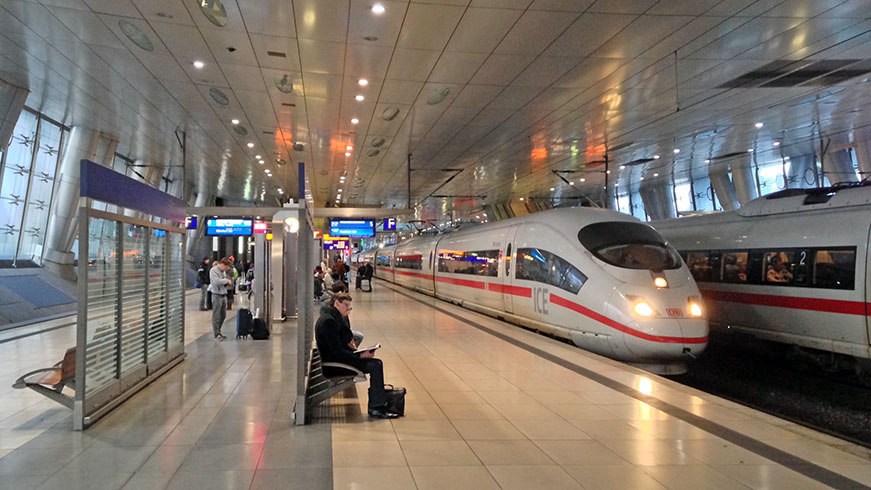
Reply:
x=791, y=267
x=601, y=279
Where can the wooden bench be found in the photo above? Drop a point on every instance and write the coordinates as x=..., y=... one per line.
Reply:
x=320, y=387
x=51, y=381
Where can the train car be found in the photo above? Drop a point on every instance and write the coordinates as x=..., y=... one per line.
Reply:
x=601, y=279
x=790, y=267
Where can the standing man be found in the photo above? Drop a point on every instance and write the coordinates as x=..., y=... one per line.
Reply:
x=203, y=279
x=334, y=346
x=218, y=287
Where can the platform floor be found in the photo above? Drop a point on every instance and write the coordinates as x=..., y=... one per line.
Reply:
x=489, y=406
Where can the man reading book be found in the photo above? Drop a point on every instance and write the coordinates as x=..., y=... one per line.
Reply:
x=333, y=347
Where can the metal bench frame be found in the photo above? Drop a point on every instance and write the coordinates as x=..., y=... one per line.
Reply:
x=320, y=387
x=65, y=371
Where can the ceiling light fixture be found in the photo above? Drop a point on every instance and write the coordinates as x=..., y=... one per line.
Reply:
x=676, y=151
x=378, y=9
x=349, y=147
x=347, y=153
x=583, y=180
x=199, y=64
x=257, y=157
x=359, y=98
x=707, y=161
x=521, y=198
x=250, y=145
x=749, y=150
x=234, y=121
x=261, y=161
x=656, y=157
x=759, y=125
x=656, y=175
x=355, y=121
x=363, y=82
x=551, y=189
x=622, y=167
x=777, y=143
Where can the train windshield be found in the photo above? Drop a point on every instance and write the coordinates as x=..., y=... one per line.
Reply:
x=629, y=245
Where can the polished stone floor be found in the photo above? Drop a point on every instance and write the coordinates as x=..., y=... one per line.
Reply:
x=489, y=406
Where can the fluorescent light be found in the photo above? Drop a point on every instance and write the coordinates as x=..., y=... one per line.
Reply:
x=378, y=9
x=198, y=64
x=363, y=82
x=360, y=98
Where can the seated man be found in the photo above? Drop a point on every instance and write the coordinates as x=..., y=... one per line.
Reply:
x=331, y=340
x=354, y=338
x=778, y=271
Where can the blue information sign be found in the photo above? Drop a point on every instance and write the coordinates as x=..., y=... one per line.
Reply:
x=229, y=226
x=390, y=224
x=353, y=227
x=191, y=222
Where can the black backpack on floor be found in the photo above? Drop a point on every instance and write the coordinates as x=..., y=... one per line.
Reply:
x=395, y=399
x=260, y=330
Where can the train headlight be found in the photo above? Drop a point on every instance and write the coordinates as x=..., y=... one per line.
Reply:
x=660, y=282
x=695, y=307
x=643, y=308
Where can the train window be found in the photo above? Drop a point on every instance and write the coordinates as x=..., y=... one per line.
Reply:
x=409, y=262
x=735, y=266
x=629, y=245
x=700, y=265
x=835, y=268
x=534, y=264
x=787, y=267
x=478, y=263
x=382, y=261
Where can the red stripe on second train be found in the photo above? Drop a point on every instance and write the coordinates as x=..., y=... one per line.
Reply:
x=462, y=282
x=513, y=290
x=413, y=274
x=812, y=304
x=560, y=301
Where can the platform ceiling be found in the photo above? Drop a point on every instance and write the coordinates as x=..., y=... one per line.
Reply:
x=507, y=90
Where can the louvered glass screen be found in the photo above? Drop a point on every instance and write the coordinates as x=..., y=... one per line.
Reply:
x=157, y=295
x=133, y=297
x=175, y=319
x=101, y=366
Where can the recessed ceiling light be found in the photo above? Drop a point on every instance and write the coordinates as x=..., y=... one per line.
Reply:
x=571, y=183
x=261, y=162
x=235, y=121
x=363, y=82
x=676, y=151
x=583, y=180
x=250, y=145
x=642, y=178
x=622, y=167
x=355, y=121
x=521, y=198
x=257, y=157
x=198, y=64
x=360, y=98
x=349, y=147
x=759, y=125
x=749, y=150
x=551, y=189
x=347, y=153
x=777, y=143
x=378, y=9
x=656, y=175
x=656, y=157
x=707, y=161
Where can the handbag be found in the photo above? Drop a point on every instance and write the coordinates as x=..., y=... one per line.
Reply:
x=395, y=399
x=197, y=284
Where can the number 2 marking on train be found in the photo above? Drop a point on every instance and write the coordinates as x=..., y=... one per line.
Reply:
x=540, y=300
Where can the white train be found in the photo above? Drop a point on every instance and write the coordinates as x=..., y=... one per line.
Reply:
x=790, y=267
x=601, y=279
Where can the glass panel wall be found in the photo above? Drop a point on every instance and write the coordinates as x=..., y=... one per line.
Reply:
x=133, y=298
x=175, y=319
x=17, y=165
x=157, y=303
x=683, y=194
x=41, y=187
x=101, y=364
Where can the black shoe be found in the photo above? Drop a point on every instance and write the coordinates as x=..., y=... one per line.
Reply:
x=382, y=413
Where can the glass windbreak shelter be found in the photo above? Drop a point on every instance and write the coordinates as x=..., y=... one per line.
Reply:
x=131, y=308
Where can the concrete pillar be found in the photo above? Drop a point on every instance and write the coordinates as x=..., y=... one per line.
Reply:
x=744, y=180
x=802, y=172
x=658, y=199
x=723, y=188
x=863, y=155
x=838, y=167
x=81, y=144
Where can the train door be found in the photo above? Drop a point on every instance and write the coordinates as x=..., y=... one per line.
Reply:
x=507, y=269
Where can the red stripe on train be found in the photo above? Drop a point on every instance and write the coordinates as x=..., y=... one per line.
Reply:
x=798, y=303
x=560, y=301
x=413, y=274
x=513, y=290
x=462, y=282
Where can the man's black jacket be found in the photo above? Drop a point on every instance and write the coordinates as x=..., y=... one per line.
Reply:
x=330, y=337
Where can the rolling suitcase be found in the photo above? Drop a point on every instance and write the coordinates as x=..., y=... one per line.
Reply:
x=244, y=323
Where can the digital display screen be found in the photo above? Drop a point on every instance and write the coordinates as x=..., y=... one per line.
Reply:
x=335, y=245
x=353, y=227
x=229, y=226
x=390, y=224
x=191, y=222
